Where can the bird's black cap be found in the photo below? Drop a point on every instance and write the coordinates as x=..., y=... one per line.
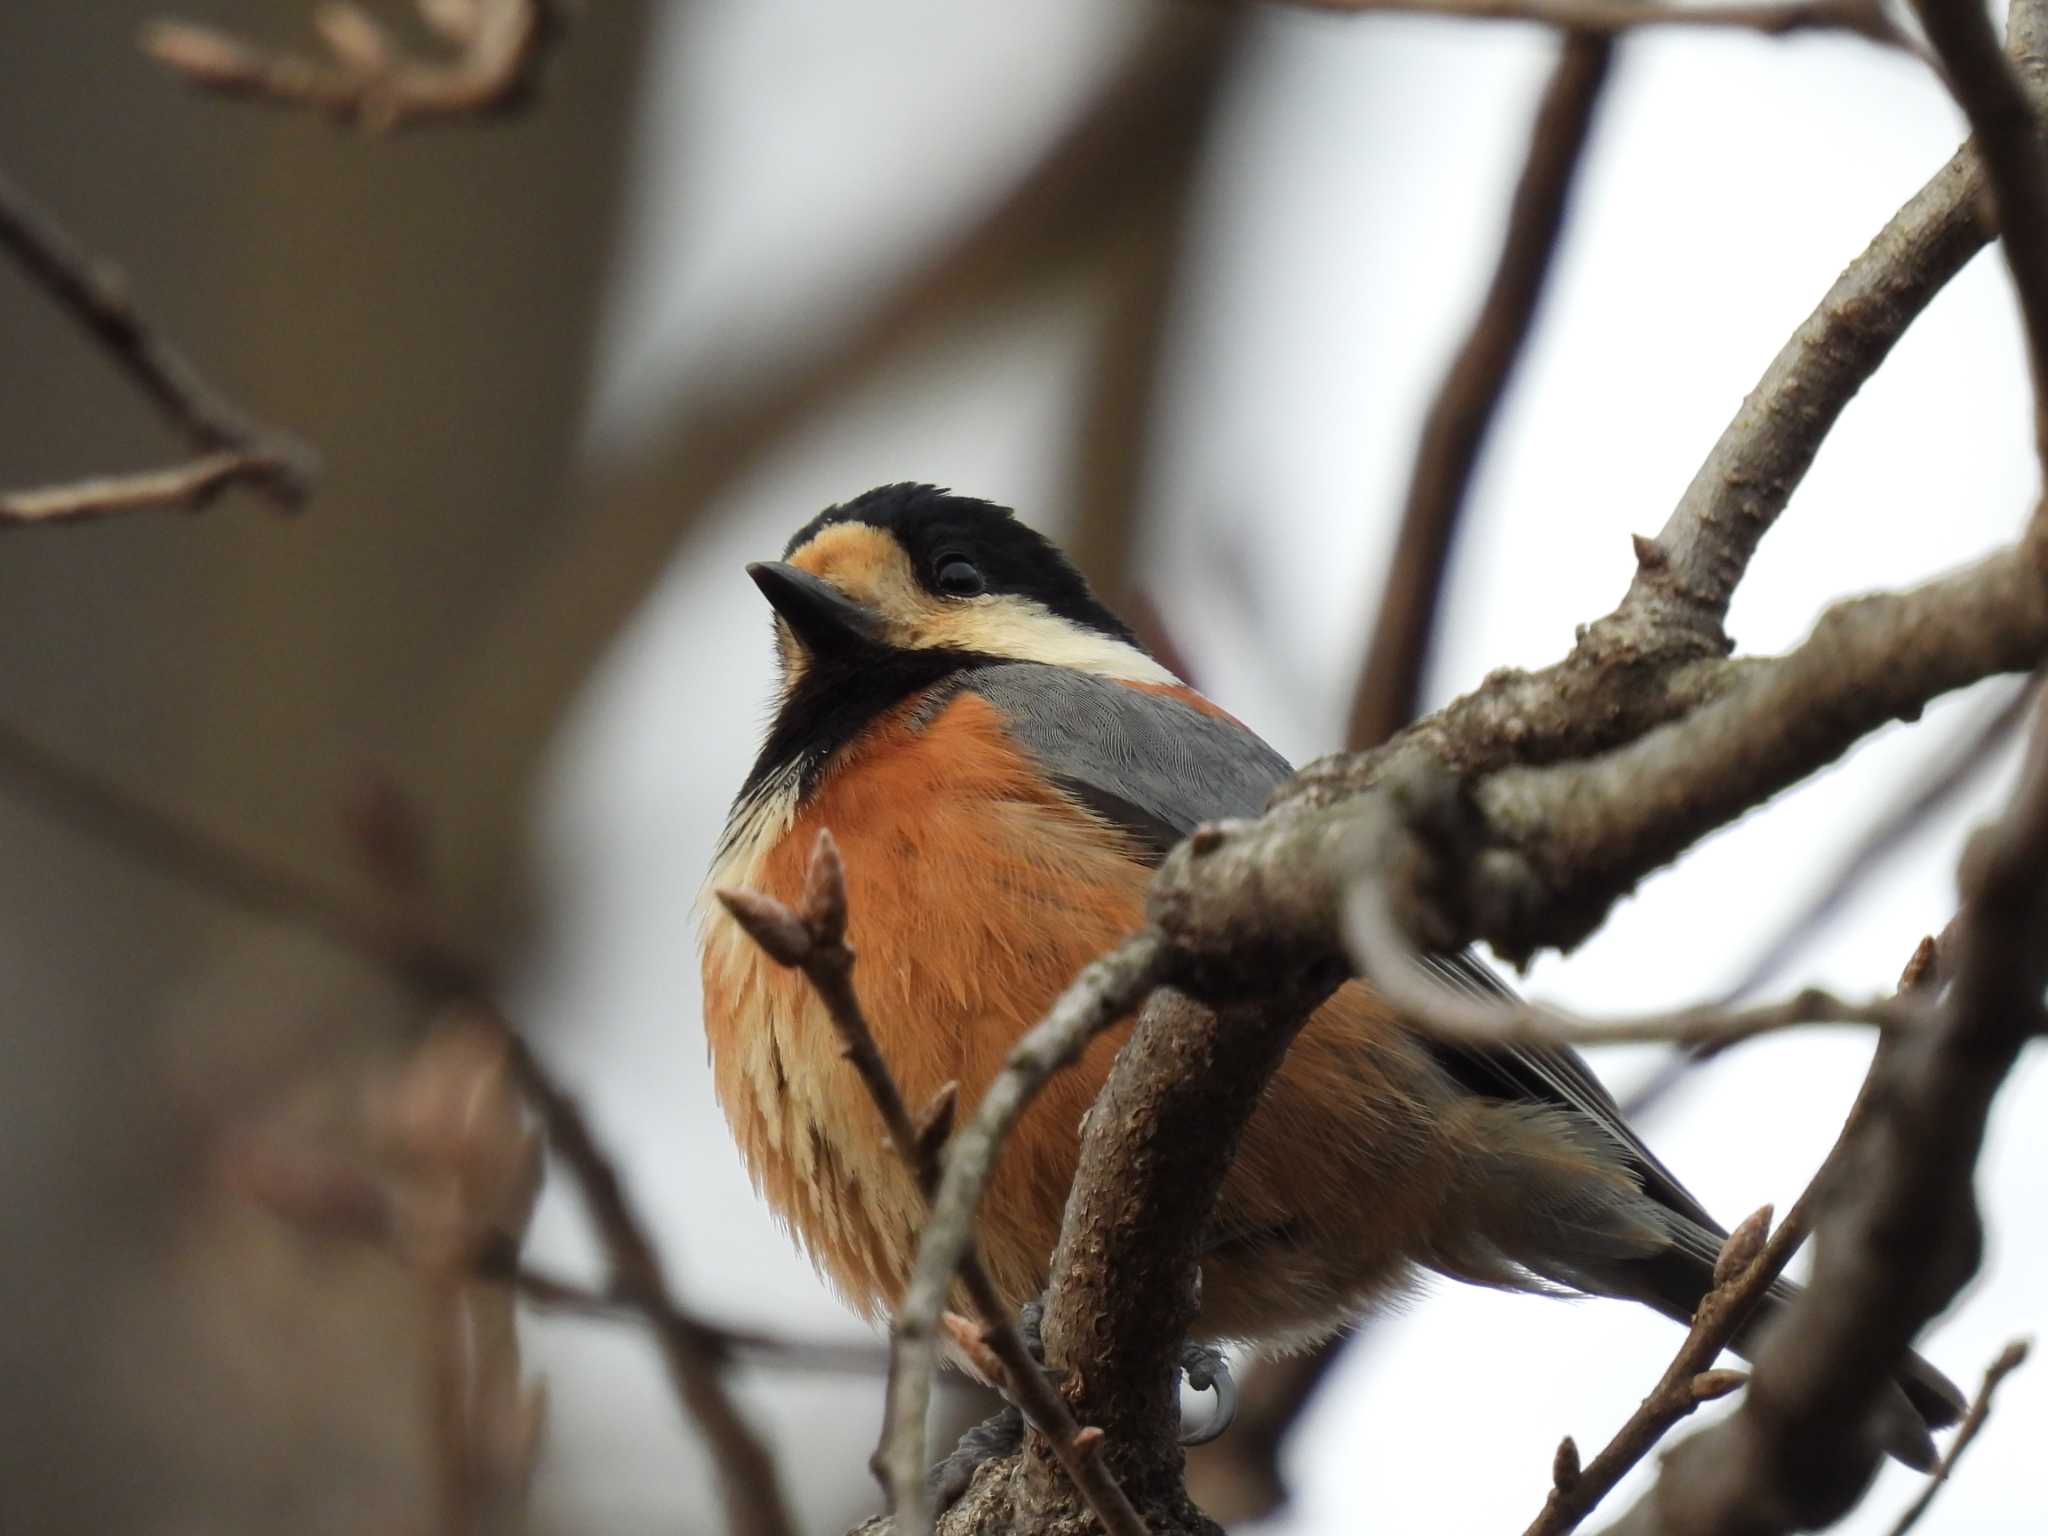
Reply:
x=933, y=525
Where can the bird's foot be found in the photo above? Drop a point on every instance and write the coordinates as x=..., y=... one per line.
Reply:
x=1203, y=1366
x=1207, y=1370
x=997, y=1436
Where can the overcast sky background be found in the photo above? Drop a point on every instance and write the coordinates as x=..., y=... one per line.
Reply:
x=1348, y=216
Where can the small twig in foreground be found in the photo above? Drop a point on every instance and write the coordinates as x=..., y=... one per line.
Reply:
x=1390, y=682
x=232, y=447
x=813, y=941
x=1744, y=1272
x=499, y=46
x=2010, y=1359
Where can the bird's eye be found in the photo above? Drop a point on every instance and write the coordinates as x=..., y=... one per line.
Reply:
x=960, y=577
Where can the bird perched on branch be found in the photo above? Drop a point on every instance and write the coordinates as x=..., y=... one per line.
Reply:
x=1003, y=765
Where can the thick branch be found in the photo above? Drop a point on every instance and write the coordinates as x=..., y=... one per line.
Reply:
x=1390, y=683
x=1534, y=857
x=1158, y=1142
x=1689, y=572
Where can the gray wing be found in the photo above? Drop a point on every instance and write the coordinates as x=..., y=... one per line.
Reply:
x=1146, y=762
x=1158, y=768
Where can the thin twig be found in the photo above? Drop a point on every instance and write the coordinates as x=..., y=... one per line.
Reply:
x=1902, y=1237
x=813, y=941
x=2006, y=132
x=1104, y=993
x=1775, y=18
x=187, y=487
x=772, y=1349
x=1745, y=1271
x=1690, y=1380
x=232, y=447
x=749, y=1484
x=2010, y=1359
x=426, y=961
x=1389, y=684
x=1383, y=955
x=498, y=49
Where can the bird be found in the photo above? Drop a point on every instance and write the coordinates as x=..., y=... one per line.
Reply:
x=1003, y=765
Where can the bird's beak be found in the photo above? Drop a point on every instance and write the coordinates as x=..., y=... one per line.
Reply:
x=819, y=614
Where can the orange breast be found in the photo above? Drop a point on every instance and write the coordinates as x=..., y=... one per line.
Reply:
x=976, y=893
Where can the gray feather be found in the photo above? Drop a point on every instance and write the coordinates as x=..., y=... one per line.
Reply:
x=1152, y=765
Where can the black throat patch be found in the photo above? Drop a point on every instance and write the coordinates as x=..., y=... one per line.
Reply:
x=835, y=699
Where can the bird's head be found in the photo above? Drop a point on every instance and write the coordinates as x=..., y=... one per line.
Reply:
x=911, y=572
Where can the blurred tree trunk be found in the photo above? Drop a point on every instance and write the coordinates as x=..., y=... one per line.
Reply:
x=422, y=309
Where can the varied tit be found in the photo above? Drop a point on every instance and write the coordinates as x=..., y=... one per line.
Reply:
x=1003, y=765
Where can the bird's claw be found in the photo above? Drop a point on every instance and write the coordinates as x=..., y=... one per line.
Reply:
x=1207, y=1370
x=992, y=1438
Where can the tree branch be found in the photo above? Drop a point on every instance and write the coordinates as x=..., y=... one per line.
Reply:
x=2006, y=133
x=2010, y=1359
x=1103, y=994
x=1389, y=684
x=1745, y=1272
x=499, y=48
x=749, y=1485
x=1608, y=18
x=233, y=448
x=394, y=935
x=1903, y=1236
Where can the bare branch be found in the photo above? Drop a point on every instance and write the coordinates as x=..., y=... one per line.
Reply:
x=1745, y=1271
x=233, y=448
x=774, y=1349
x=1383, y=955
x=2007, y=138
x=1155, y=1148
x=1390, y=683
x=749, y=1485
x=1869, y=662
x=1901, y=1238
x=1104, y=993
x=813, y=940
x=2010, y=1359
x=498, y=49
x=1776, y=18
x=1532, y=857
x=188, y=487
x=399, y=941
